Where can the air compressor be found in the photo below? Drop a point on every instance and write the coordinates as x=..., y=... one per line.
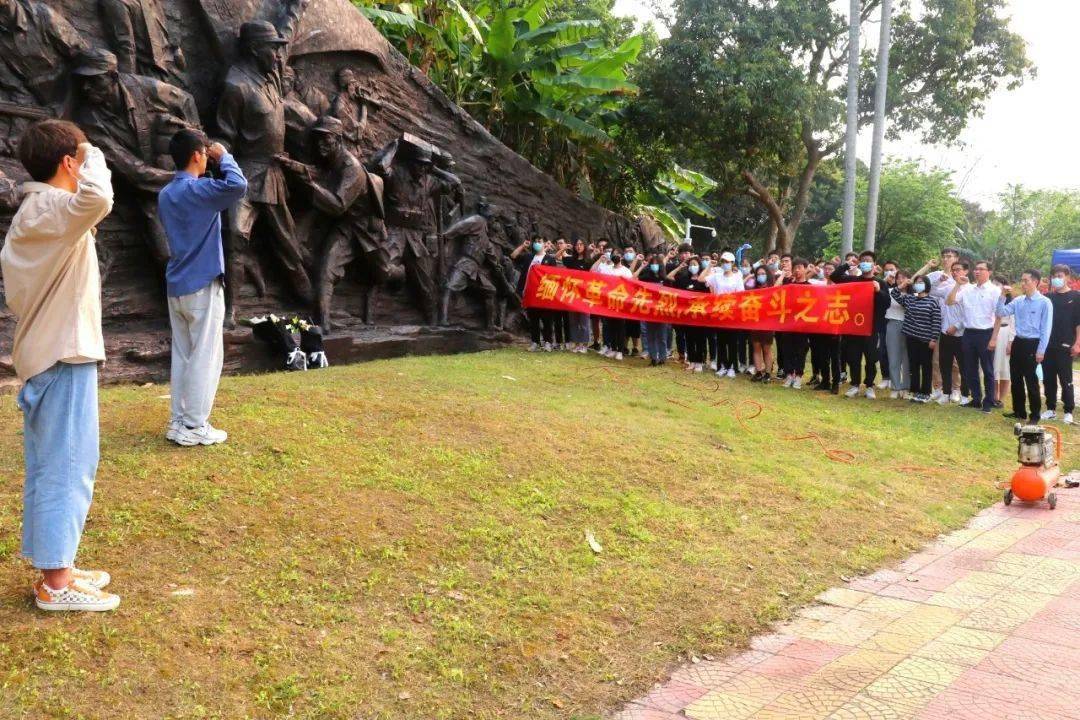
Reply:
x=1039, y=451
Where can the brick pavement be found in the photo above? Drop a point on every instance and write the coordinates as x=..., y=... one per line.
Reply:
x=983, y=624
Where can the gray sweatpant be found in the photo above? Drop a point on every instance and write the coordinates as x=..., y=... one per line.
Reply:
x=899, y=372
x=197, y=352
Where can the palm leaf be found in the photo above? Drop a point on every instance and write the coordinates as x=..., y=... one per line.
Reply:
x=575, y=125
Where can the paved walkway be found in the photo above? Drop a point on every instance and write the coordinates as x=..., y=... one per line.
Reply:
x=984, y=624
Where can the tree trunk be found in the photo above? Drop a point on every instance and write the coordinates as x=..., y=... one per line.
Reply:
x=776, y=213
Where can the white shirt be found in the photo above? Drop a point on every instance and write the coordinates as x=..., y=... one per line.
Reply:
x=941, y=284
x=721, y=284
x=620, y=271
x=979, y=304
x=50, y=269
x=895, y=310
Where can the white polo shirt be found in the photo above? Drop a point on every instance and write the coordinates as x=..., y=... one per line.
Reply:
x=979, y=303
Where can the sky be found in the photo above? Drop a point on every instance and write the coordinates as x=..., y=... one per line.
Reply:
x=1026, y=136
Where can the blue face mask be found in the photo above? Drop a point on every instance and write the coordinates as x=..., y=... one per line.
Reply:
x=629, y=256
x=537, y=247
x=705, y=264
x=762, y=279
x=866, y=267
x=1057, y=283
x=773, y=266
x=654, y=267
x=693, y=269
x=920, y=287
x=726, y=266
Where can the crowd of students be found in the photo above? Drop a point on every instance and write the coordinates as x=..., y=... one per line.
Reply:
x=949, y=332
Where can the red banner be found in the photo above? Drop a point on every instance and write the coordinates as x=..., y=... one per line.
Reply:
x=846, y=309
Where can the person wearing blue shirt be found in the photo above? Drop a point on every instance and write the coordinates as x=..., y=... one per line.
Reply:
x=1034, y=318
x=190, y=208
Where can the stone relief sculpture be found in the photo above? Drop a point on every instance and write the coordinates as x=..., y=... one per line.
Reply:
x=356, y=209
x=132, y=118
x=251, y=121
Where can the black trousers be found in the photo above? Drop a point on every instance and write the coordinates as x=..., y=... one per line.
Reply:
x=711, y=345
x=948, y=353
x=858, y=351
x=680, y=341
x=781, y=353
x=742, y=341
x=976, y=355
x=561, y=321
x=541, y=325
x=695, y=343
x=921, y=361
x=795, y=347
x=727, y=352
x=1024, y=380
x=1057, y=369
x=828, y=352
x=614, y=334
x=882, y=348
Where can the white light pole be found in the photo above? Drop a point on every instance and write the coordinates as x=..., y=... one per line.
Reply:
x=880, y=94
x=847, y=236
x=690, y=225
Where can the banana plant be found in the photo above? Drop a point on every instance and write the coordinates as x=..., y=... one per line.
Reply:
x=674, y=194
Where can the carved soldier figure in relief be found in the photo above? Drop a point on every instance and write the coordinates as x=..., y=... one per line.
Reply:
x=477, y=267
x=343, y=190
x=251, y=120
x=136, y=30
x=412, y=191
x=350, y=106
x=132, y=118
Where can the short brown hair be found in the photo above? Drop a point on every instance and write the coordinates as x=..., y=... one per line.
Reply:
x=1065, y=269
x=45, y=144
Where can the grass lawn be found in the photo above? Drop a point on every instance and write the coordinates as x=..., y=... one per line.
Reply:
x=407, y=538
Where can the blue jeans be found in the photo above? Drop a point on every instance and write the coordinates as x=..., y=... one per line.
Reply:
x=60, y=441
x=976, y=354
x=656, y=340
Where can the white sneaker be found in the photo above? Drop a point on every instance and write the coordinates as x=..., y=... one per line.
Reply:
x=97, y=579
x=731, y=372
x=751, y=370
x=605, y=352
x=942, y=399
x=699, y=367
x=789, y=381
x=965, y=401
x=796, y=384
x=955, y=397
x=644, y=356
x=870, y=394
x=712, y=365
x=884, y=385
x=534, y=347
x=172, y=429
x=936, y=394
x=894, y=395
x=547, y=347
x=618, y=356
x=1068, y=419
x=205, y=435
x=77, y=596
x=1048, y=415
x=853, y=391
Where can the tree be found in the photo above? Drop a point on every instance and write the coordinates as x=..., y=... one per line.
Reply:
x=750, y=91
x=918, y=214
x=1024, y=233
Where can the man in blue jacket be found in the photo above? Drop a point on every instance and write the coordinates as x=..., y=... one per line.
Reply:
x=190, y=207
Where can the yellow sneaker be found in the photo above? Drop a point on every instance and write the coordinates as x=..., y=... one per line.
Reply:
x=98, y=579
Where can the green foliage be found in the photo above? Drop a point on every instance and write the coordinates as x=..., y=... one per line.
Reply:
x=675, y=194
x=918, y=214
x=549, y=78
x=1024, y=233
